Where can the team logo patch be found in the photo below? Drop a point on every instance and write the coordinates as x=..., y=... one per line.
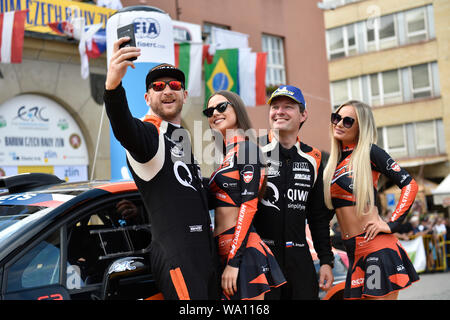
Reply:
x=300, y=166
x=272, y=196
x=196, y=228
x=247, y=173
x=392, y=165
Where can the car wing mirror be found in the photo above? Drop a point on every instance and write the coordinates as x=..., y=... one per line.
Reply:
x=120, y=269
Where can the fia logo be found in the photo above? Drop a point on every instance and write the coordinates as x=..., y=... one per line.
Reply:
x=146, y=28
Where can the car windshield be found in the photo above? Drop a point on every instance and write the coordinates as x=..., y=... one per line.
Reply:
x=9, y=224
x=18, y=210
x=12, y=214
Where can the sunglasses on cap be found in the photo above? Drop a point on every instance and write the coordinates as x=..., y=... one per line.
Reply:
x=161, y=85
x=346, y=121
x=221, y=107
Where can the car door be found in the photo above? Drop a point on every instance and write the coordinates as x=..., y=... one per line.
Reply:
x=35, y=273
x=104, y=233
x=69, y=260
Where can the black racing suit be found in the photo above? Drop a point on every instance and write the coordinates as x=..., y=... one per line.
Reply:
x=183, y=255
x=293, y=198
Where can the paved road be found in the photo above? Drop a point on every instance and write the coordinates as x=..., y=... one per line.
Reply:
x=431, y=286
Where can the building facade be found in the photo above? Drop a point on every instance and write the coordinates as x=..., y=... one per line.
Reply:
x=292, y=32
x=394, y=56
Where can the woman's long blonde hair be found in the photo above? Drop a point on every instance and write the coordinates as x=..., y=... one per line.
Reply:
x=359, y=161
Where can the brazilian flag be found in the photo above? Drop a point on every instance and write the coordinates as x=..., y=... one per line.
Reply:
x=222, y=73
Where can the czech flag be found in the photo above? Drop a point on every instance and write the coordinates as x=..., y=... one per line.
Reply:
x=62, y=27
x=97, y=44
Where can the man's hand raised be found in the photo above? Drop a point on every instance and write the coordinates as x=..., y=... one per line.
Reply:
x=118, y=64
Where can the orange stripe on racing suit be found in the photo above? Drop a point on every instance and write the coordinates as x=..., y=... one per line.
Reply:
x=154, y=120
x=179, y=284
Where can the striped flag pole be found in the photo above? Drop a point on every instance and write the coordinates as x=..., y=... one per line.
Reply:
x=12, y=30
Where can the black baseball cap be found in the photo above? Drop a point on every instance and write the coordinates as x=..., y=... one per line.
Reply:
x=164, y=70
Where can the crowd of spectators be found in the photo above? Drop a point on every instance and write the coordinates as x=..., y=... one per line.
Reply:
x=418, y=223
x=434, y=228
x=429, y=224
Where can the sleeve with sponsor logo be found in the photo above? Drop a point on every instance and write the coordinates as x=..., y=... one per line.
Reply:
x=138, y=137
x=384, y=163
x=251, y=176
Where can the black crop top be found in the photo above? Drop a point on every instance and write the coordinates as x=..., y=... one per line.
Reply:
x=381, y=163
x=236, y=183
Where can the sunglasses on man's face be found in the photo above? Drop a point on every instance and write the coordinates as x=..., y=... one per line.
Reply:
x=221, y=107
x=161, y=85
x=346, y=121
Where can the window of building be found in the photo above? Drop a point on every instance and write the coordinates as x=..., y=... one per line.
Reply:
x=351, y=40
x=338, y=3
x=380, y=138
x=342, y=42
x=339, y=92
x=416, y=25
x=374, y=90
x=335, y=39
x=391, y=87
x=396, y=141
x=276, y=71
x=206, y=32
x=381, y=33
x=388, y=87
x=426, y=140
x=385, y=88
x=423, y=141
x=344, y=90
x=421, y=81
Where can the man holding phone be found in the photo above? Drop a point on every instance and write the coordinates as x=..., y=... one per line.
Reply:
x=183, y=256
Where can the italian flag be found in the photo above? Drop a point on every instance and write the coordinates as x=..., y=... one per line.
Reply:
x=188, y=58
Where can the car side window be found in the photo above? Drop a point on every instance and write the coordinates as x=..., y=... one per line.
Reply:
x=39, y=267
x=117, y=229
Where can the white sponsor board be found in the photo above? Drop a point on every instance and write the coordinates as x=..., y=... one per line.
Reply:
x=36, y=132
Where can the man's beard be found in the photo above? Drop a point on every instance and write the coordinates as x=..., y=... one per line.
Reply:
x=165, y=113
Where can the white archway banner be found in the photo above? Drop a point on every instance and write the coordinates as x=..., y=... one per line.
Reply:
x=37, y=132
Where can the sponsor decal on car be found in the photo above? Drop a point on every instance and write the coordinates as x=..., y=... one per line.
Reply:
x=35, y=199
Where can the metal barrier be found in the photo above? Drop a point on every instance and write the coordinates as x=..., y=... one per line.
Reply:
x=447, y=248
x=436, y=252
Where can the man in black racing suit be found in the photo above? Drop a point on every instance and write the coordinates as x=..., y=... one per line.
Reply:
x=294, y=198
x=183, y=255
